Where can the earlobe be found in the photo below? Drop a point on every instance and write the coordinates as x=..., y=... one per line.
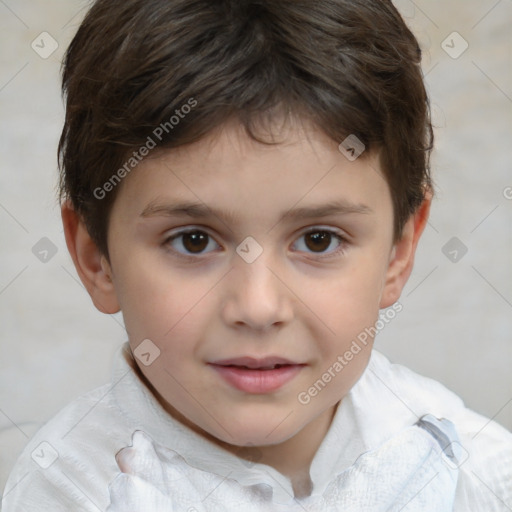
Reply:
x=91, y=265
x=402, y=255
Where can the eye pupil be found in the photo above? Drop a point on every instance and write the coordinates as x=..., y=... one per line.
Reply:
x=318, y=241
x=195, y=241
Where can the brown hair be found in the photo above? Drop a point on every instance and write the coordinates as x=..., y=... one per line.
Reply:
x=349, y=66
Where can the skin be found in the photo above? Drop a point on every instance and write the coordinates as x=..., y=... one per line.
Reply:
x=296, y=300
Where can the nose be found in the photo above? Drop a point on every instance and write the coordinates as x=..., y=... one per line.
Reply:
x=256, y=296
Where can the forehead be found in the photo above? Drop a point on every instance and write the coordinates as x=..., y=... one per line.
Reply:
x=229, y=172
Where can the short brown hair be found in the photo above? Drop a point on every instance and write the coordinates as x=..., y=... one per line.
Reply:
x=349, y=66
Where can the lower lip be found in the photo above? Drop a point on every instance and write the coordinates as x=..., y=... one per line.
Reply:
x=258, y=381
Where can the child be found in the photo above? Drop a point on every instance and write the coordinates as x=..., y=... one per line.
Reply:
x=247, y=181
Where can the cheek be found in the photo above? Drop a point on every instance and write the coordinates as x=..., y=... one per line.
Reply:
x=350, y=302
x=159, y=303
x=349, y=305
x=350, y=308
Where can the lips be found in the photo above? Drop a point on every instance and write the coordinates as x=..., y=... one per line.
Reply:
x=257, y=376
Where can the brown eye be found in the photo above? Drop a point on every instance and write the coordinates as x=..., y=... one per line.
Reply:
x=189, y=243
x=195, y=242
x=318, y=241
x=321, y=242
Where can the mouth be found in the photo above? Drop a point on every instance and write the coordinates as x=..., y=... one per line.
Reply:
x=257, y=376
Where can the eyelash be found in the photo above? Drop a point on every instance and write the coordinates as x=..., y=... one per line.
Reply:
x=319, y=256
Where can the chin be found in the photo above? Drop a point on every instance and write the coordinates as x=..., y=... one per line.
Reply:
x=258, y=431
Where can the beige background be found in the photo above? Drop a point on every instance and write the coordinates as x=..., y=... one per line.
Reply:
x=456, y=324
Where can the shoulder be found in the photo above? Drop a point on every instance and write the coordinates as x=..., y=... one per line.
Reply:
x=417, y=391
x=66, y=463
x=485, y=468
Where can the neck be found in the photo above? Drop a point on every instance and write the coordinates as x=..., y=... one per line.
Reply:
x=294, y=456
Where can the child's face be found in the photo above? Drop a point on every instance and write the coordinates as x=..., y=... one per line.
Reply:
x=303, y=300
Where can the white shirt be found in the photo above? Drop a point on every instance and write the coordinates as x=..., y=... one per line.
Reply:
x=70, y=464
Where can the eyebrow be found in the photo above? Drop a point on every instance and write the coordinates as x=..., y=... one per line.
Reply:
x=201, y=211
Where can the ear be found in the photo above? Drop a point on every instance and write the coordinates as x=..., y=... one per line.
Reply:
x=92, y=266
x=402, y=254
